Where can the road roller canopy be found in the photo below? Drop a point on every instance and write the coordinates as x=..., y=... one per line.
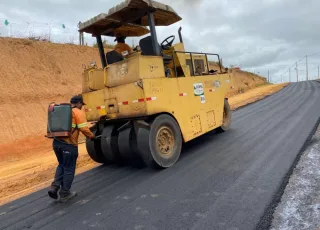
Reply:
x=110, y=27
x=136, y=11
x=129, y=18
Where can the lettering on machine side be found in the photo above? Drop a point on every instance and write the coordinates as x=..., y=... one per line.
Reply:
x=155, y=83
x=155, y=90
x=153, y=67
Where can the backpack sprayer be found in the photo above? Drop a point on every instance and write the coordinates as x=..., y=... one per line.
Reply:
x=59, y=122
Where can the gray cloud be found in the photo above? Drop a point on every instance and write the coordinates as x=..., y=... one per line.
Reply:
x=188, y=3
x=256, y=35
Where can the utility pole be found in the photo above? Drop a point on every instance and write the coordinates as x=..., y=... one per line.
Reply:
x=81, y=38
x=269, y=77
x=307, y=67
x=297, y=71
x=289, y=75
x=318, y=73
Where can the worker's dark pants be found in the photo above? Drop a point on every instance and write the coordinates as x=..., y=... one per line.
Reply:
x=67, y=155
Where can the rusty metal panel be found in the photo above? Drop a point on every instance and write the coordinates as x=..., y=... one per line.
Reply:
x=211, y=120
x=195, y=122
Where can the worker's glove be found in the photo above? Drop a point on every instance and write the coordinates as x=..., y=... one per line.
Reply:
x=137, y=48
x=95, y=138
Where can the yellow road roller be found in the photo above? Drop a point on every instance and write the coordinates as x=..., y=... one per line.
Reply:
x=147, y=103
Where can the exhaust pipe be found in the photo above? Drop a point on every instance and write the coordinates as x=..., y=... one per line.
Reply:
x=180, y=36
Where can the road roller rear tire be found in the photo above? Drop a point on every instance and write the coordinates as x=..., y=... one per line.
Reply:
x=94, y=150
x=160, y=146
x=109, y=145
x=226, y=117
x=127, y=143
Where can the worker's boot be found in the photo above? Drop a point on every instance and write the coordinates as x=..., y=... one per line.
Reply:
x=65, y=196
x=53, y=192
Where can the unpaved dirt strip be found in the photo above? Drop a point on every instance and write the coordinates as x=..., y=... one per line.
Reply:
x=222, y=181
x=254, y=95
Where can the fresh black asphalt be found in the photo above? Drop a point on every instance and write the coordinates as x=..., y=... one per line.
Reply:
x=222, y=181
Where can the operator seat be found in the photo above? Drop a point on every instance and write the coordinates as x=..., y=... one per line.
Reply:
x=113, y=57
x=147, y=50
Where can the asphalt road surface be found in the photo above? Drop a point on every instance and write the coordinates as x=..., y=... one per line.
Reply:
x=222, y=181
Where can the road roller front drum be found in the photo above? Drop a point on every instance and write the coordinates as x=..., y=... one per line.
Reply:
x=94, y=150
x=109, y=144
x=127, y=143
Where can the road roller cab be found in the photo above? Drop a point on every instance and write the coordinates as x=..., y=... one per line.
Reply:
x=146, y=104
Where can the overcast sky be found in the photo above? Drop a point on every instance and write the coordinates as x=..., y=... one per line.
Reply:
x=255, y=35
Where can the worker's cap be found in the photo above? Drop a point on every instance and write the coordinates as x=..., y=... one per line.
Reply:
x=76, y=99
x=120, y=38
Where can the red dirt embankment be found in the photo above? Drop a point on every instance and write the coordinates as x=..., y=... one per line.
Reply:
x=33, y=74
x=241, y=80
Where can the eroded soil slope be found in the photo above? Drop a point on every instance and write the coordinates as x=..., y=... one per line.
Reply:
x=241, y=80
x=33, y=74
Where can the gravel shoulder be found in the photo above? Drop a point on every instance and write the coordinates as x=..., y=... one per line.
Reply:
x=300, y=204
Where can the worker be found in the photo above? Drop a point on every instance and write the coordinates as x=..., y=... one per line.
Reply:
x=121, y=46
x=66, y=150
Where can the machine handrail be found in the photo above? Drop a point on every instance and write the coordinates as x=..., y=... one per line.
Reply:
x=188, y=52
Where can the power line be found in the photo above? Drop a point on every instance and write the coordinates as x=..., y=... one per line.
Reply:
x=313, y=54
x=296, y=63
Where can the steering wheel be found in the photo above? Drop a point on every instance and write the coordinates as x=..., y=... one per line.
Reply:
x=169, y=43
